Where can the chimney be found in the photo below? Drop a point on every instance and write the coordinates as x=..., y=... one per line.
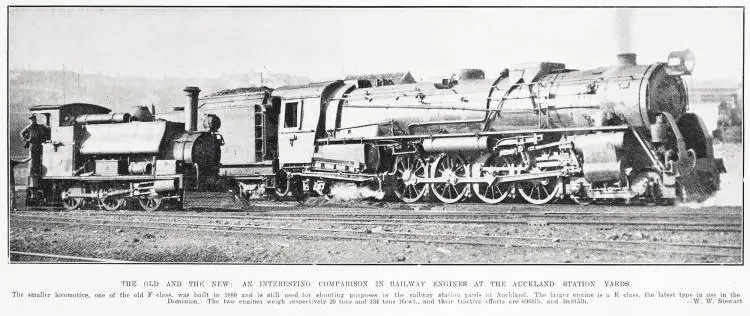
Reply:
x=626, y=59
x=191, y=109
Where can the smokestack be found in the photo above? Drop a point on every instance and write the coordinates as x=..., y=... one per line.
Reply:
x=622, y=30
x=626, y=59
x=191, y=109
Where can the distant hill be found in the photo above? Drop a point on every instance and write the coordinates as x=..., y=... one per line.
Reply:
x=121, y=94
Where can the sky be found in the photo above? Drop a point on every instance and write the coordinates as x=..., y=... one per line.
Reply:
x=332, y=42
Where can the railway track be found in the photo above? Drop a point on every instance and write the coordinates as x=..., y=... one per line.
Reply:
x=61, y=258
x=691, y=222
x=597, y=245
x=372, y=211
x=211, y=205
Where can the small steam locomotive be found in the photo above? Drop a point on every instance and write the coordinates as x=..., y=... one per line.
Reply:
x=538, y=132
x=97, y=157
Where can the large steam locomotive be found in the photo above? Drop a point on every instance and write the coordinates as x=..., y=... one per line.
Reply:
x=539, y=132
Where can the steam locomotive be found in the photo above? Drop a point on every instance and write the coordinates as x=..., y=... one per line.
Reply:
x=538, y=132
x=97, y=157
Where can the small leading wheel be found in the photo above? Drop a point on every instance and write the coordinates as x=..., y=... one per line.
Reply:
x=151, y=204
x=539, y=191
x=450, y=168
x=497, y=191
x=408, y=169
x=112, y=203
x=72, y=203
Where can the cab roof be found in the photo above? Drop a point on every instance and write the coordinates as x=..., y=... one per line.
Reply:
x=84, y=107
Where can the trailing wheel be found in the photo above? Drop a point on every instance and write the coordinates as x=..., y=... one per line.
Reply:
x=539, y=191
x=151, y=203
x=112, y=203
x=72, y=203
x=407, y=170
x=497, y=191
x=450, y=168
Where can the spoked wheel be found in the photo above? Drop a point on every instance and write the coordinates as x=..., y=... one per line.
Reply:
x=151, y=204
x=496, y=192
x=408, y=169
x=539, y=191
x=450, y=168
x=112, y=203
x=72, y=203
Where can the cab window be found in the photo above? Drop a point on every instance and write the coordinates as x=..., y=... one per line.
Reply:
x=290, y=114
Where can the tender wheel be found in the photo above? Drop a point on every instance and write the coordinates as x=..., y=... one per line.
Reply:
x=240, y=195
x=496, y=192
x=72, y=203
x=408, y=169
x=112, y=203
x=283, y=183
x=300, y=191
x=539, y=191
x=450, y=168
x=151, y=204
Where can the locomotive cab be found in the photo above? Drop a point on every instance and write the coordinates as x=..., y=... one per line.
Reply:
x=58, y=154
x=301, y=119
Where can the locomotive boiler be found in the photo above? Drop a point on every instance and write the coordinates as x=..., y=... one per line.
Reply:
x=97, y=157
x=537, y=131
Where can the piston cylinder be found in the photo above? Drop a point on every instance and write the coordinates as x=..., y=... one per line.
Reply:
x=600, y=160
x=164, y=186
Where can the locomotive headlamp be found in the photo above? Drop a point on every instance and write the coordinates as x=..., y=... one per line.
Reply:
x=680, y=62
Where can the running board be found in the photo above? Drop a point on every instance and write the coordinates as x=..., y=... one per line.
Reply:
x=337, y=176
